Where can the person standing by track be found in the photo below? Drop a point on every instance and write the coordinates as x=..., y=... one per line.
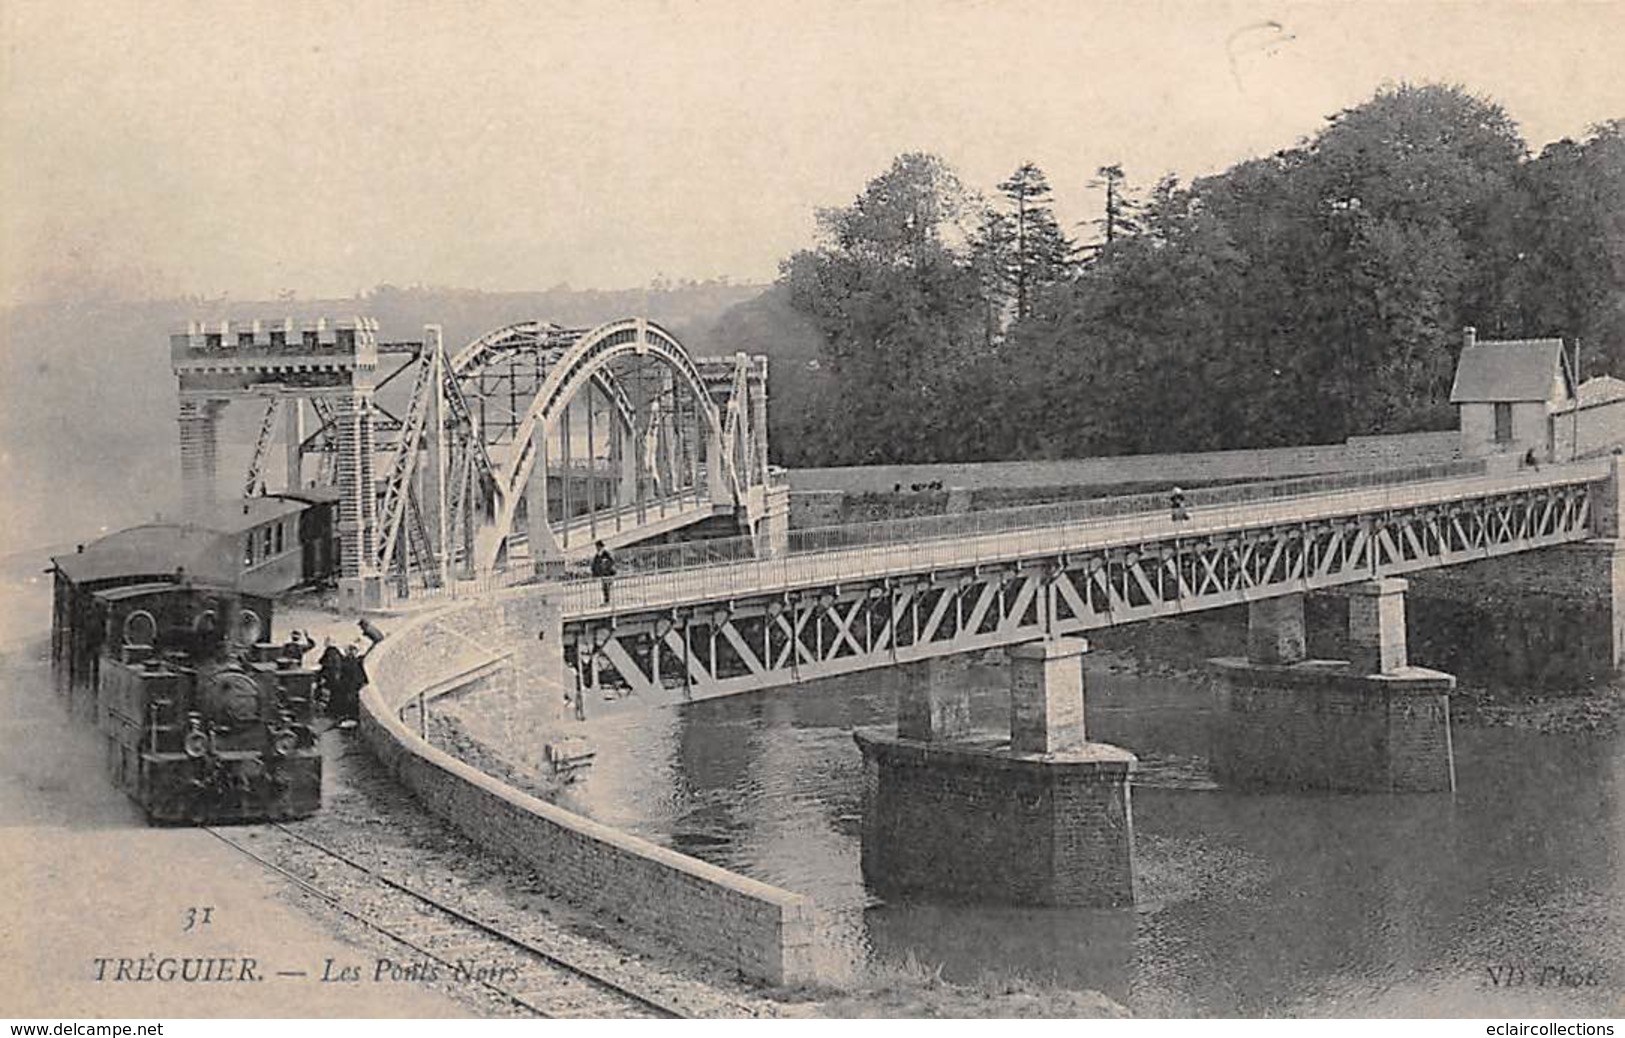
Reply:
x=345, y=704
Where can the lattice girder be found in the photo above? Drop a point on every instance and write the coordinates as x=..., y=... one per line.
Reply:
x=786, y=634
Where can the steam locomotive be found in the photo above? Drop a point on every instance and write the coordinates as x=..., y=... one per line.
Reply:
x=204, y=721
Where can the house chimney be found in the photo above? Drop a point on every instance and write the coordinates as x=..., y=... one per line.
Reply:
x=1469, y=337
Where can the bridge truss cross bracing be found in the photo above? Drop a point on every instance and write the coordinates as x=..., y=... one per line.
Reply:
x=533, y=441
x=759, y=624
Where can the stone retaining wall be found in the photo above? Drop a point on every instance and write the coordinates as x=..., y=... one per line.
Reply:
x=767, y=934
x=1148, y=492
x=1549, y=618
x=1601, y=427
x=1360, y=452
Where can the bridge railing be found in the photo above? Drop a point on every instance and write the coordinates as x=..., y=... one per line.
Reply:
x=1001, y=539
x=628, y=516
x=819, y=539
x=711, y=566
x=1065, y=513
x=661, y=558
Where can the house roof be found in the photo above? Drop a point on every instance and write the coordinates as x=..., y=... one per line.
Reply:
x=1601, y=390
x=1511, y=371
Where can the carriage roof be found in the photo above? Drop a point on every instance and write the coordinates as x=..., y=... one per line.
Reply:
x=157, y=550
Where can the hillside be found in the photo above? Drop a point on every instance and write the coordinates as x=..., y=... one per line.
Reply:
x=767, y=324
x=87, y=401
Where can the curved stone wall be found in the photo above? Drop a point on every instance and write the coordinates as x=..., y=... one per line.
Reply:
x=513, y=637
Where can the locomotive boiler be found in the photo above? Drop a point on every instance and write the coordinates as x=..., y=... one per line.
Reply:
x=204, y=721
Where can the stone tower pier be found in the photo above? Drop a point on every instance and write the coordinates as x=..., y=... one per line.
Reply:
x=1040, y=818
x=1372, y=722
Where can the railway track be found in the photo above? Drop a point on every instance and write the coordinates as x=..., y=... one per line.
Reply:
x=507, y=966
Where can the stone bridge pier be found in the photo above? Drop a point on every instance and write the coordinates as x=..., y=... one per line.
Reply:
x=1040, y=818
x=1369, y=723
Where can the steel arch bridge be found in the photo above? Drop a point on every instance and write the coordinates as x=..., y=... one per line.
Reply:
x=532, y=441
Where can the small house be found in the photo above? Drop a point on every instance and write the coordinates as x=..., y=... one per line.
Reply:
x=1508, y=393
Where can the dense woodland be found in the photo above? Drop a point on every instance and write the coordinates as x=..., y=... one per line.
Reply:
x=1302, y=297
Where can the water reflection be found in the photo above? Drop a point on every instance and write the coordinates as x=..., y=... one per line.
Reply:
x=1251, y=904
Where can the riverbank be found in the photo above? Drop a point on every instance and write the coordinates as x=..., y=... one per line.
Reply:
x=1180, y=649
x=769, y=786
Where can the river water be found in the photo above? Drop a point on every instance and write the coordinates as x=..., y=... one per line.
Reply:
x=1507, y=898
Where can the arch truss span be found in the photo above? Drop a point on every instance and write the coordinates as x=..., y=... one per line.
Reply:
x=534, y=440
x=625, y=435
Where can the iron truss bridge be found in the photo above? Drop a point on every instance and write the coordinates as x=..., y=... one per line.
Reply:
x=736, y=626
x=531, y=442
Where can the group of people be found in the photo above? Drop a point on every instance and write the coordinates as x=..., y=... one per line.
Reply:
x=340, y=675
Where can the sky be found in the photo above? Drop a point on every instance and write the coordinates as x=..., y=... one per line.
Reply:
x=162, y=148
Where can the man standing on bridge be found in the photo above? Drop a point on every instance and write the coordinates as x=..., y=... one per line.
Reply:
x=603, y=567
x=1176, y=506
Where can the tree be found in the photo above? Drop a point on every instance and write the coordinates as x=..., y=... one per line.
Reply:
x=1117, y=219
x=990, y=258
x=1563, y=247
x=911, y=215
x=898, y=304
x=1403, y=189
x=1036, y=252
x=1298, y=297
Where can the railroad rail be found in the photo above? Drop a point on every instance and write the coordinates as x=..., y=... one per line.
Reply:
x=508, y=966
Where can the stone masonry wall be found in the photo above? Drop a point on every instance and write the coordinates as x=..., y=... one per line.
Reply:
x=1317, y=726
x=765, y=933
x=1285, y=738
x=1601, y=427
x=964, y=822
x=1361, y=452
x=1546, y=618
x=1419, y=743
x=1540, y=620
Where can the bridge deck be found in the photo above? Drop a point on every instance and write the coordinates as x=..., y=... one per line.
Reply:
x=723, y=581
x=635, y=523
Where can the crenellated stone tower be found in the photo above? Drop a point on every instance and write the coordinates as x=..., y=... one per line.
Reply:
x=330, y=366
